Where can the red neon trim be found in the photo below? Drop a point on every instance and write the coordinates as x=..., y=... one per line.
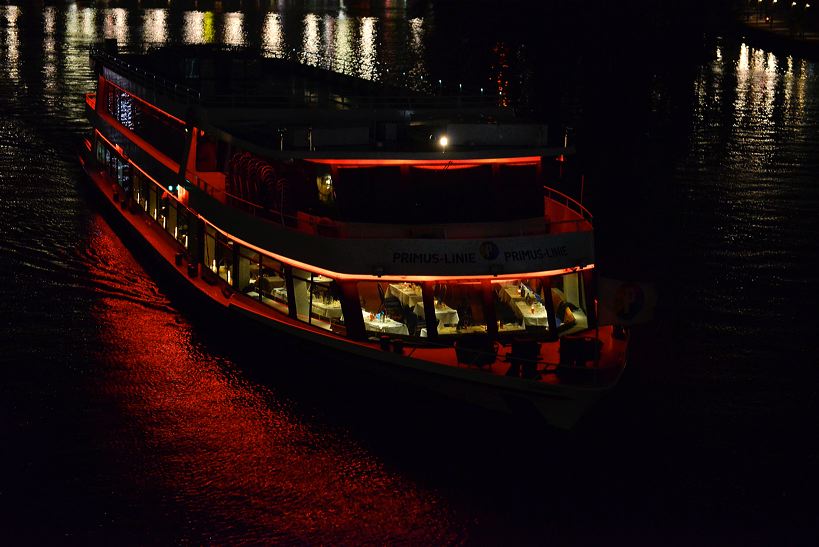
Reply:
x=364, y=162
x=357, y=277
x=147, y=147
x=446, y=167
x=143, y=101
x=364, y=277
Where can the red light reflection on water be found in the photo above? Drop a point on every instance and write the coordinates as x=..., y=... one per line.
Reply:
x=226, y=452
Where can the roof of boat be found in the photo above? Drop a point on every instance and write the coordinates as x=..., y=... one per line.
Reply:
x=256, y=99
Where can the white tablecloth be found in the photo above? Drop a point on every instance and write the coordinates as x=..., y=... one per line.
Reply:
x=387, y=325
x=330, y=311
x=444, y=314
x=511, y=293
x=537, y=318
x=408, y=295
x=280, y=293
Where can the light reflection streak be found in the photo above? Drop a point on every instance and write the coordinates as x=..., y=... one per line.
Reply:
x=418, y=70
x=155, y=26
x=342, y=45
x=233, y=29
x=49, y=50
x=213, y=443
x=114, y=25
x=49, y=20
x=367, y=45
x=12, y=43
x=770, y=96
x=273, y=37
x=86, y=25
x=310, y=40
x=193, y=23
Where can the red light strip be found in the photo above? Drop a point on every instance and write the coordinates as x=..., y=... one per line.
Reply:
x=143, y=101
x=524, y=160
x=356, y=277
x=140, y=142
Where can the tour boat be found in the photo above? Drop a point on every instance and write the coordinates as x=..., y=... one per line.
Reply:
x=415, y=231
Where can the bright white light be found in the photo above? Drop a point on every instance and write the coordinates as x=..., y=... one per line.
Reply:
x=443, y=141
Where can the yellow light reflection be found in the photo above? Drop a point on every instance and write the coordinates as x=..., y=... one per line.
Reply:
x=208, y=28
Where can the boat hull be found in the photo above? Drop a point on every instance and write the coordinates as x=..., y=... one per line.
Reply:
x=560, y=406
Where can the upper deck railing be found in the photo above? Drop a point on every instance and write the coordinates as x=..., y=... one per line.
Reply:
x=568, y=202
x=334, y=84
x=167, y=87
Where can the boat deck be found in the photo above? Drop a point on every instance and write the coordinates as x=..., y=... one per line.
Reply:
x=612, y=352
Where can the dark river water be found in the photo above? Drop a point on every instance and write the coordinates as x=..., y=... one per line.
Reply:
x=128, y=415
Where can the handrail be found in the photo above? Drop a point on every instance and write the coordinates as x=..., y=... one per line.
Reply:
x=158, y=82
x=569, y=202
x=329, y=66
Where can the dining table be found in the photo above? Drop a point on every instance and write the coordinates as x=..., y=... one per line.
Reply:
x=382, y=323
x=534, y=315
x=443, y=313
x=330, y=310
x=408, y=294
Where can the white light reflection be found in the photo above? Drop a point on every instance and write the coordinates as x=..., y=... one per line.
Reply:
x=155, y=27
x=310, y=40
x=418, y=70
x=233, y=30
x=49, y=20
x=367, y=46
x=12, y=43
x=343, y=52
x=86, y=23
x=272, y=36
x=49, y=50
x=192, y=27
x=114, y=25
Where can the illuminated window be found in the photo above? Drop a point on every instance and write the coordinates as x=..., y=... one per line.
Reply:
x=326, y=194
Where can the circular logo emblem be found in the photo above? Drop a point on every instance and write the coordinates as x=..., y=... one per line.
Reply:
x=489, y=250
x=628, y=301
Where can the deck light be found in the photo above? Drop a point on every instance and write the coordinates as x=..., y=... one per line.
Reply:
x=443, y=141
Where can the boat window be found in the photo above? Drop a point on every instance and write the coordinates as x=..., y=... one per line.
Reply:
x=317, y=299
x=325, y=303
x=181, y=230
x=326, y=193
x=569, y=303
x=140, y=191
x=370, y=194
x=459, y=308
x=219, y=254
x=164, y=133
x=520, y=305
x=261, y=278
x=391, y=308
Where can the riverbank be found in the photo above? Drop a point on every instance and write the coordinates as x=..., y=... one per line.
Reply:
x=779, y=31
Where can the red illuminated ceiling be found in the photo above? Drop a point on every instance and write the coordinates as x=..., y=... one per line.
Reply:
x=429, y=164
